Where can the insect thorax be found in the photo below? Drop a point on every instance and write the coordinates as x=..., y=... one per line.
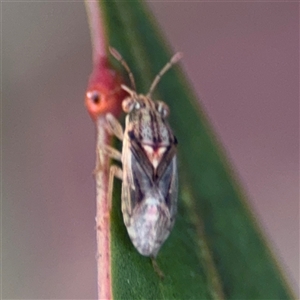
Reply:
x=148, y=125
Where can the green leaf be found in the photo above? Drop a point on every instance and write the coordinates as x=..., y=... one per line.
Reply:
x=215, y=250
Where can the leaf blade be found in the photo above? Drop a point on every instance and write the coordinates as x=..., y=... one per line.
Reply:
x=240, y=257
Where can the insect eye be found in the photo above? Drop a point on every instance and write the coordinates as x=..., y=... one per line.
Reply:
x=128, y=104
x=139, y=105
x=162, y=108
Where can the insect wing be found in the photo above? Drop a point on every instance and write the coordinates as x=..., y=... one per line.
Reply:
x=148, y=198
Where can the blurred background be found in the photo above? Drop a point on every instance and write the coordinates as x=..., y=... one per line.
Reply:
x=243, y=61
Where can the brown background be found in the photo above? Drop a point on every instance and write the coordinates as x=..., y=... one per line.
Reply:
x=243, y=61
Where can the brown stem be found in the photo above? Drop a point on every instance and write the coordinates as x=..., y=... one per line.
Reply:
x=103, y=215
x=104, y=95
x=99, y=43
x=100, y=82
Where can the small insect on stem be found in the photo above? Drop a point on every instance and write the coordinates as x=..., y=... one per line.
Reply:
x=149, y=175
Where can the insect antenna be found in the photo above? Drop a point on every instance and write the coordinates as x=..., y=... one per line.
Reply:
x=128, y=90
x=119, y=58
x=175, y=58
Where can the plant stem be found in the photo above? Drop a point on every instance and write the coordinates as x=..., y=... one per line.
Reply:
x=99, y=44
x=98, y=76
x=103, y=215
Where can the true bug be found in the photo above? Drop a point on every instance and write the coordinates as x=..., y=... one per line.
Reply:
x=149, y=175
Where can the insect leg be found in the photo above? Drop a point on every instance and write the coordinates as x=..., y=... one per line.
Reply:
x=157, y=268
x=114, y=171
x=114, y=127
x=106, y=150
x=111, y=152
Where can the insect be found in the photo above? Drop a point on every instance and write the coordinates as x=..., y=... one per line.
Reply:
x=149, y=175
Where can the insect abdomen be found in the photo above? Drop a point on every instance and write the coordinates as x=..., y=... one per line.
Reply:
x=148, y=209
x=149, y=226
